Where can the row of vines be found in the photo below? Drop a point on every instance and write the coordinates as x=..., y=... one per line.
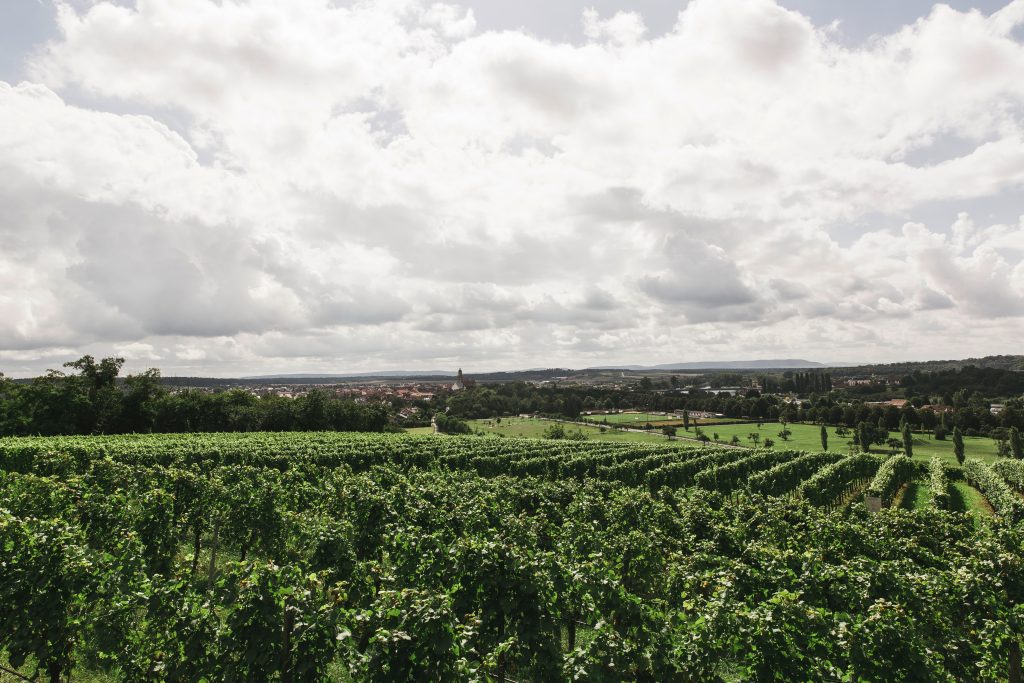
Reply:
x=330, y=557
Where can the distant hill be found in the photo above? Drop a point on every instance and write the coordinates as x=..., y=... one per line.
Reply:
x=1012, y=363
x=384, y=373
x=771, y=364
x=786, y=363
x=1005, y=363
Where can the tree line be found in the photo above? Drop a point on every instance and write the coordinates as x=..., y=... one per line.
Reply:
x=91, y=398
x=970, y=412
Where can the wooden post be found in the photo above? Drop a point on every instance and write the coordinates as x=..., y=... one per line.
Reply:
x=213, y=551
x=1014, y=663
x=196, y=546
x=287, y=675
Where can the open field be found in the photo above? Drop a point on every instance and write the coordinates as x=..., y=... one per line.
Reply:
x=533, y=428
x=804, y=437
x=656, y=419
x=807, y=437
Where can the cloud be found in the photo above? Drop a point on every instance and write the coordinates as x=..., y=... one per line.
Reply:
x=222, y=186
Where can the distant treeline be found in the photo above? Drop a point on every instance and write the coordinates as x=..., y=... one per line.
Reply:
x=1014, y=363
x=966, y=409
x=91, y=400
x=990, y=382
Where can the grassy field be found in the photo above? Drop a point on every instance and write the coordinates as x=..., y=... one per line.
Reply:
x=656, y=419
x=807, y=437
x=633, y=419
x=533, y=428
x=804, y=437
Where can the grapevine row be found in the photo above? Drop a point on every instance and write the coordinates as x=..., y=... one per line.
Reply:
x=1004, y=501
x=891, y=476
x=834, y=481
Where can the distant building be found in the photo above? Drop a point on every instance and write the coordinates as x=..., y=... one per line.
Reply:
x=732, y=391
x=460, y=382
x=897, y=402
x=996, y=408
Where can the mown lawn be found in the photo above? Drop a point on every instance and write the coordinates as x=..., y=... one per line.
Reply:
x=656, y=419
x=807, y=437
x=533, y=428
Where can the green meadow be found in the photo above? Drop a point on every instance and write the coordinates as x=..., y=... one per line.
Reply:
x=807, y=437
x=533, y=428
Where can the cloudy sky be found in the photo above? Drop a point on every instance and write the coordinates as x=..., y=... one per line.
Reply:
x=229, y=187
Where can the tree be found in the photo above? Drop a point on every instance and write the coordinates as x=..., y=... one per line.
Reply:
x=578, y=435
x=958, y=445
x=1002, y=438
x=10, y=418
x=99, y=382
x=755, y=437
x=893, y=444
x=824, y=438
x=669, y=431
x=555, y=431
x=908, y=440
x=139, y=403
x=686, y=420
x=1016, y=445
x=446, y=424
x=864, y=436
x=785, y=433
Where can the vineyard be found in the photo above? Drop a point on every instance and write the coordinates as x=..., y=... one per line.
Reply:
x=357, y=557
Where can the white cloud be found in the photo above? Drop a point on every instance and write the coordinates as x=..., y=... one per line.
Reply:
x=381, y=184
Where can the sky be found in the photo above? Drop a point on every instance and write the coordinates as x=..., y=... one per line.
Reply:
x=236, y=187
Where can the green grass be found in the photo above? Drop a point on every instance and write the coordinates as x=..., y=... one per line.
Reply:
x=633, y=419
x=807, y=437
x=656, y=419
x=916, y=496
x=533, y=428
x=81, y=674
x=965, y=498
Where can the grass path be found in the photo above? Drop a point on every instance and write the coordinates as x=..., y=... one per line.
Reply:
x=915, y=496
x=965, y=498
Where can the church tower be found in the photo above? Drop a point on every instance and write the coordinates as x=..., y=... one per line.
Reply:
x=459, y=383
